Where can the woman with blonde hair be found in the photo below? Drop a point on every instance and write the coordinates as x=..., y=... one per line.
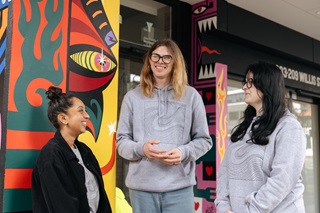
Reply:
x=162, y=131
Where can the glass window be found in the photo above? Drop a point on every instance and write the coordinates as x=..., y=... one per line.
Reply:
x=307, y=115
x=144, y=22
x=236, y=104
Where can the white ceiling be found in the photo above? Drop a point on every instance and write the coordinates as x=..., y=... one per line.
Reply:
x=300, y=15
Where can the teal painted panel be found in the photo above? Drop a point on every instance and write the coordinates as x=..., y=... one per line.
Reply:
x=17, y=200
x=22, y=159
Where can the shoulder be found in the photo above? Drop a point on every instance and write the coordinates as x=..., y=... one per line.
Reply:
x=136, y=90
x=133, y=94
x=192, y=90
x=50, y=147
x=289, y=122
x=192, y=94
x=289, y=119
x=50, y=153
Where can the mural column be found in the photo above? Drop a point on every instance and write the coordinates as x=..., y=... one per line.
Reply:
x=67, y=43
x=3, y=91
x=210, y=78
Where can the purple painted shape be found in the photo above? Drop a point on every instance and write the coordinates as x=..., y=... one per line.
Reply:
x=110, y=39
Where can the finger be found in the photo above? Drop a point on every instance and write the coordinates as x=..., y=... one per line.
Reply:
x=171, y=161
x=159, y=151
x=175, y=152
x=174, y=157
x=152, y=142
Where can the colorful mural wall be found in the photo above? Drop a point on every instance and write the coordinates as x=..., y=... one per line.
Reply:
x=209, y=77
x=72, y=44
x=3, y=41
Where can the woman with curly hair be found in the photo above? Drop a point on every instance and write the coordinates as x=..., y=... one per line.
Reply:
x=67, y=176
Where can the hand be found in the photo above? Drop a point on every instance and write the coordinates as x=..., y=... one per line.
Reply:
x=172, y=157
x=150, y=151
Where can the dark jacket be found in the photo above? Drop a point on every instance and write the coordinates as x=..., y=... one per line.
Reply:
x=58, y=180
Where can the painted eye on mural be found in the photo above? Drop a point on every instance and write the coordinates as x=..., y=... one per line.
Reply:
x=94, y=61
x=199, y=10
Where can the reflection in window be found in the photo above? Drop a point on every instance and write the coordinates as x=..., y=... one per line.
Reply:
x=306, y=114
x=144, y=22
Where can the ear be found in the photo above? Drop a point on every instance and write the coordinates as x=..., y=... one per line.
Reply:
x=63, y=118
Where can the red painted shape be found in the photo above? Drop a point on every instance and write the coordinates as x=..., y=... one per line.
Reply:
x=18, y=179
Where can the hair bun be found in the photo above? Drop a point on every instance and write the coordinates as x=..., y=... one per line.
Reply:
x=54, y=93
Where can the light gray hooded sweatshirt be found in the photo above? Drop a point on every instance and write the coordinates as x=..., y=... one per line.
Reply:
x=176, y=124
x=264, y=179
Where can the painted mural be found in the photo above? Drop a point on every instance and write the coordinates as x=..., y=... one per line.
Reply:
x=3, y=41
x=72, y=44
x=210, y=78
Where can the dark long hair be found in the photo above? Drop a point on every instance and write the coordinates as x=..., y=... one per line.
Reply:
x=59, y=103
x=269, y=80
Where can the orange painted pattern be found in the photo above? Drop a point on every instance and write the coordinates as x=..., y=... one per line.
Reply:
x=27, y=140
x=18, y=179
x=107, y=168
x=222, y=130
x=4, y=21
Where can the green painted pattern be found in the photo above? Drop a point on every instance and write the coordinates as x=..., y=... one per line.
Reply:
x=17, y=200
x=21, y=159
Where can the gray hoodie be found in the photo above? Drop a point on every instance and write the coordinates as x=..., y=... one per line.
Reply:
x=264, y=179
x=176, y=124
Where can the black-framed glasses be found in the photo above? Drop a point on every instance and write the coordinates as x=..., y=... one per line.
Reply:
x=165, y=58
x=248, y=82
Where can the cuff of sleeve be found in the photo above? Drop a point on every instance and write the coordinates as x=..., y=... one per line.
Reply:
x=183, y=155
x=139, y=149
x=250, y=201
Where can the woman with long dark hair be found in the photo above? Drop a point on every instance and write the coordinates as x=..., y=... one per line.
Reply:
x=261, y=170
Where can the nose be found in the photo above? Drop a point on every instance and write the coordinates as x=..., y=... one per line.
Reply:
x=244, y=87
x=86, y=115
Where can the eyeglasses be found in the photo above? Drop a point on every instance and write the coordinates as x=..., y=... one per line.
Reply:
x=249, y=83
x=165, y=58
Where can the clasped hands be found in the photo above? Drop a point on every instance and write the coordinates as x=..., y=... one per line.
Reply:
x=171, y=157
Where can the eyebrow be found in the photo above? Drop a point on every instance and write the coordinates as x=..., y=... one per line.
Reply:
x=160, y=54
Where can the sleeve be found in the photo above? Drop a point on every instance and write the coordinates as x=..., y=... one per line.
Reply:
x=201, y=141
x=222, y=200
x=126, y=146
x=290, y=149
x=53, y=187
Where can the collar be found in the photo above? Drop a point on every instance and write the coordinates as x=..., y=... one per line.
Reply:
x=62, y=143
